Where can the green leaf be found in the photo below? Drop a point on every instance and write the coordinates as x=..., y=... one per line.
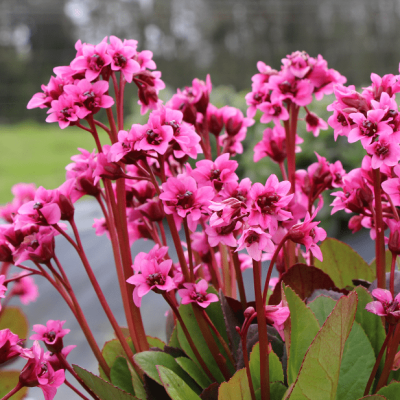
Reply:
x=277, y=391
x=176, y=387
x=319, y=374
x=8, y=381
x=103, y=389
x=148, y=360
x=155, y=342
x=194, y=371
x=371, y=323
x=111, y=351
x=357, y=362
x=304, y=327
x=173, y=341
x=214, y=311
x=15, y=320
x=391, y=392
x=343, y=264
x=190, y=321
x=322, y=306
x=237, y=388
x=121, y=376
x=275, y=367
x=373, y=397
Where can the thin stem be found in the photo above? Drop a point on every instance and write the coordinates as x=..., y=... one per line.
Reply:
x=220, y=338
x=94, y=133
x=380, y=234
x=102, y=126
x=271, y=265
x=262, y=331
x=68, y=367
x=247, y=364
x=225, y=269
x=283, y=171
x=189, y=247
x=120, y=109
x=394, y=209
x=72, y=387
x=188, y=337
x=378, y=361
x=19, y=277
x=239, y=277
x=162, y=230
x=392, y=270
x=392, y=350
x=215, y=275
x=13, y=391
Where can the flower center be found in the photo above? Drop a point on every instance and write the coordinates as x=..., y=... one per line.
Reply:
x=382, y=150
x=266, y=202
x=155, y=279
x=153, y=137
x=252, y=238
x=96, y=62
x=51, y=336
x=368, y=128
x=215, y=174
x=185, y=200
x=200, y=298
x=119, y=60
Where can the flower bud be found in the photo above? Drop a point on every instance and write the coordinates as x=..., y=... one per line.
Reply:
x=248, y=312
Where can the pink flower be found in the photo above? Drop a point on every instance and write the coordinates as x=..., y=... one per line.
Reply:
x=100, y=226
x=121, y=58
x=54, y=360
x=226, y=211
x=2, y=287
x=315, y=124
x=181, y=197
x=149, y=84
x=10, y=345
x=156, y=137
x=385, y=306
x=234, y=121
x=65, y=111
x=276, y=316
x=255, y=240
x=152, y=276
x=273, y=111
x=197, y=293
x=90, y=96
x=309, y=234
x=368, y=127
x=39, y=372
x=92, y=60
x=215, y=120
x=385, y=150
x=394, y=237
x=127, y=147
x=25, y=288
x=215, y=173
x=392, y=187
x=52, y=335
x=268, y=202
x=299, y=63
x=223, y=234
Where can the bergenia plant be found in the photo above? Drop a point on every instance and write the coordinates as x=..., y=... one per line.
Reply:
x=308, y=333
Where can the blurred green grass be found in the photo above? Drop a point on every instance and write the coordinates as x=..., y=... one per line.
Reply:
x=38, y=153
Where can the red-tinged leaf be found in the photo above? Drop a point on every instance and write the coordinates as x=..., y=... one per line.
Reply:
x=210, y=393
x=237, y=388
x=8, y=381
x=303, y=279
x=319, y=374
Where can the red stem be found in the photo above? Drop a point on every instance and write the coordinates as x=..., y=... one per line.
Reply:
x=72, y=387
x=262, y=331
x=189, y=247
x=392, y=269
x=239, y=277
x=13, y=391
x=380, y=234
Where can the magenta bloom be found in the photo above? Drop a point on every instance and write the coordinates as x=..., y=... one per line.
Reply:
x=235, y=122
x=39, y=372
x=385, y=150
x=100, y=226
x=156, y=137
x=10, y=345
x=314, y=124
x=273, y=111
x=65, y=111
x=216, y=173
x=392, y=187
x=215, y=121
x=197, y=293
x=51, y=334
x=368, y=127
x=152, y=276
x=226, y=211
x=268, y=202
x=276, y=316
x=90, y=96
x=309, y=234
x=121, y=57
x=181, y=197
x=255, y=240
x=385, y=306
x=92, y=60
x=223, y=234
x=26, y=289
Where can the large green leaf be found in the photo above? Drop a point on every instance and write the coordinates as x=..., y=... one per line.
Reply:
x=322, y=306
x=319, y=374
x=391, y=392
x=8, y=381
x=121, y=376
x=176, y=387
x=103, y=389
x=343, y=264
x=304, y=327
x=194, y=371
x=276, y=392
x=371, y=323
x=15, y=320
x=190, y=321
x=357, y=363
x=275, y=367
x=155, y=342
x=237, y=388
x=148, y=360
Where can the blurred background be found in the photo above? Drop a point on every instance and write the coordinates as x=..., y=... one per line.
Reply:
x=189, y=38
